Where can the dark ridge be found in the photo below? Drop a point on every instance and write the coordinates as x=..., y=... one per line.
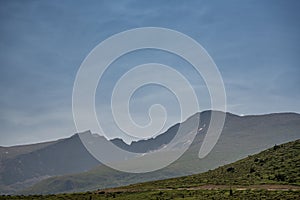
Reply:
x=143, y=146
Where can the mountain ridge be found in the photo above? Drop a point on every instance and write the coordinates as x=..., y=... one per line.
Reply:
x=247, y=134
x=271, y=174
x=134, y=141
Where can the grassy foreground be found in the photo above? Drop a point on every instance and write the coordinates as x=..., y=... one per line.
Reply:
x=171, y=194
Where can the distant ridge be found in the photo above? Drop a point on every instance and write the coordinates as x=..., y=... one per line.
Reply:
x=32, y=163
x=241, y=136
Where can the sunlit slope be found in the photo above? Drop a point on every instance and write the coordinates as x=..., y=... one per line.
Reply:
x=277, y=165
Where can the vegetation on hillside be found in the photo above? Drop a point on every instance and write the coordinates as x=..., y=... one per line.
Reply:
x=172, y=194
x=277, y=165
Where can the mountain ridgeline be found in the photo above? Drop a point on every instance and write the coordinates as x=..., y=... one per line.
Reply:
x=271, y=174
x=241, y=136
x=65, y=156
x=66, y=166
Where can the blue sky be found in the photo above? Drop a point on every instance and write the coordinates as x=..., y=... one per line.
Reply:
x=255, y=45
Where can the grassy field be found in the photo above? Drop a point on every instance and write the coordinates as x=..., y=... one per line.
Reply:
x=171, y=194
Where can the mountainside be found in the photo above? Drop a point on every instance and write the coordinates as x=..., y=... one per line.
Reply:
x=13, y=151
x=32, y=163
x=23, y=166
x=271, y=174
x=277, y=165
x=241, y=136
x=143, y=146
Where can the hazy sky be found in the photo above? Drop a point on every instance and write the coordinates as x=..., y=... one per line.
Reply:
x=255, y=44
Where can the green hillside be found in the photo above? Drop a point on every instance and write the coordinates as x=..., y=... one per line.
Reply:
x=277, y=165
x=221, y=194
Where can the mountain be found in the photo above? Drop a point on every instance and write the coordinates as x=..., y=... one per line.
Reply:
x=11, y=152
x=25, y=165
x=143, y=146
x=22, y=166
x=270, y=174
x=241, y=136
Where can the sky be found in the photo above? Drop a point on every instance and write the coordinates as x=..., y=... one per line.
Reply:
x=255, y=45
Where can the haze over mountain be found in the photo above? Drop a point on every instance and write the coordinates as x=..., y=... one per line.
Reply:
x=241, y=136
